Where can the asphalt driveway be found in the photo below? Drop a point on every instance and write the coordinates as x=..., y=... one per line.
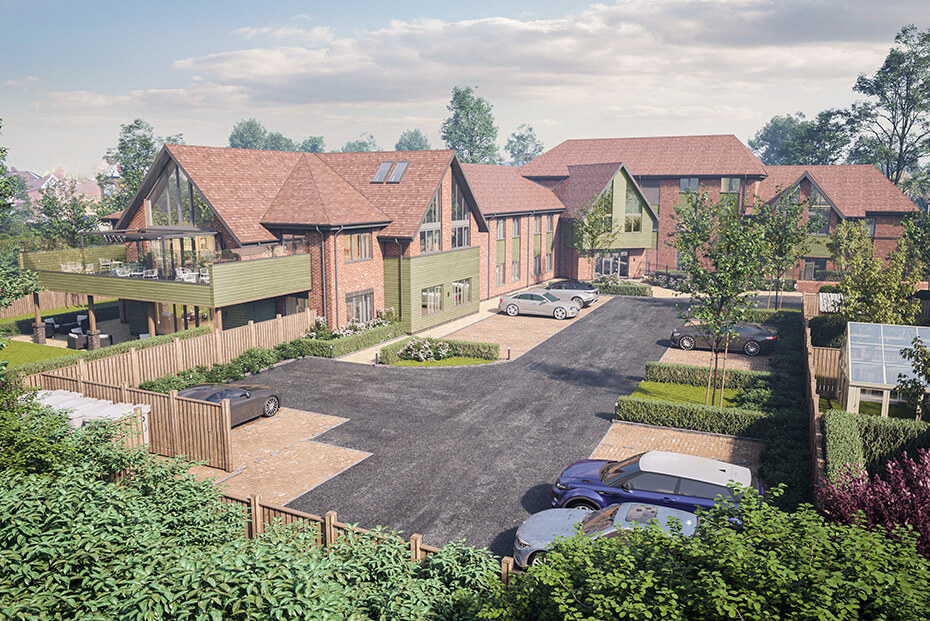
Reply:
x=469, y=452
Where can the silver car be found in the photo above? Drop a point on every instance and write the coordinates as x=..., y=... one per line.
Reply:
x=582, y=293
x=538, y=532
x=537, y=302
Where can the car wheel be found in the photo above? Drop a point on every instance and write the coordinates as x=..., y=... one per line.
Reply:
x=559, y=313
x=579, y=302
x=752, y=348
x=537, y=558
x=587, y=505
x=686, y=343
x=271, y=407
x=512, y=310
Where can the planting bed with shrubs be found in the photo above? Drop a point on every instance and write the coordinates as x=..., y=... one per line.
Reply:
x=611, y=285
x=435, y=351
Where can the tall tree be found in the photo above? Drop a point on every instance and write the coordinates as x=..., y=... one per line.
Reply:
x=594, y=230
x=916, y=241
x=312, y=144
x=897, y=113
x=134, y=153
x=14, y=283
x=365, y=142
x=248, y=134
x=523, y=145
x=412, y=140
x=8, y=190
x=470, y=129
x=66, y=213
x=723, y=252
x=785, y=235
x=792, y=139
x=276, y=141
x=877, y=293
x=849, y=241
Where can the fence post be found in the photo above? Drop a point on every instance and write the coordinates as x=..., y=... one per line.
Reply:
x=81, y=375
x=228, y=465
x=173, y=422
x=252, y=341
x=179, y=364
x=255, y=507
x=123, y=397
x=278, y=329
x=416, y=553
x=506, y=568
x=329, y=527
x=310, y=319
x=135, y=371
x=216, y=347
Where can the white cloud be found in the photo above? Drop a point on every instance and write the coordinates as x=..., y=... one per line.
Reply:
x=20, y=82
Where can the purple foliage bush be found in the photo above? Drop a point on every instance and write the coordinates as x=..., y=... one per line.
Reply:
x=900, y=497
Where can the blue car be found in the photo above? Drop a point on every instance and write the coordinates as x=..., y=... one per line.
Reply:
x=673, y=480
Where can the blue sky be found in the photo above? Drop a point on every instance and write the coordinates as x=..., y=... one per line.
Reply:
x=74, y=71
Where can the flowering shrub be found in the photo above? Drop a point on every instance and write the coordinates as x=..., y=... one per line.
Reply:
x=425, y=349
x=901, y=497
x=321, y=332
x=673, y=280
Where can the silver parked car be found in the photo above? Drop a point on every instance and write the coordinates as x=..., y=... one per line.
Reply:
x=246, y=401
x=582, y=293
x=538, y=532
x=537, y=302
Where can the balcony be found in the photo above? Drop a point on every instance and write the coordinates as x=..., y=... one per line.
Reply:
x=168, y=270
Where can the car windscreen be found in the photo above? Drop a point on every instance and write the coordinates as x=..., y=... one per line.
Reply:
x=612, y=472
x=597, y=521
x=550, y=297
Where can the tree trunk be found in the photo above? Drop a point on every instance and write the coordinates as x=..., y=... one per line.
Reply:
x=723, y=375
x=709, y=376
x=713, y=396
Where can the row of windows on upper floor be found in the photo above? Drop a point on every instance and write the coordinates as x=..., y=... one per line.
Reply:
x=515, y=226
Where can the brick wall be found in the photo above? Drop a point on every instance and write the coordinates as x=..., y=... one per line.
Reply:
x=488, y=244
x=357, y=276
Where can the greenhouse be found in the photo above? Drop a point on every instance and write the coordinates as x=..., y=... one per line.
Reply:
x=870, y=362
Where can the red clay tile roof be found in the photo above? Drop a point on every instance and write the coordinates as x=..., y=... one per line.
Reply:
x=112, y=217
x=711, y=156
x=504, y=189
x=240, y=184
x=855, y=189
x=315, y=195
x=584, y=182
x=404, y=202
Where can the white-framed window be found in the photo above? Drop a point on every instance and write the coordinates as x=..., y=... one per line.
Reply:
x=729, y=185
x=502, y=229
x=430, y=233
x=516, y=227
x=499, y=271
x=688, y=184
x=431, y=300
x=548, y=261
x=549, y=223
x=461, y=236
x=819, y=208
x=515, y=269
x=430, y=241
x=461, y=292
x=537, y=265
x=537, y=225
x=357, y=246
x=360, y=305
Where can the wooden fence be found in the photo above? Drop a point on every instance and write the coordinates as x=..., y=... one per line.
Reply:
x=826, y=365
x=47, y=299
x=329, y=529
x=220, y=346
x=811, y=304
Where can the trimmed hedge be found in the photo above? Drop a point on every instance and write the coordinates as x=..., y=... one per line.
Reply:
x=711, y=419
x=42, y=366
x=770, y=315
x=697, y=376
x=335, y=348
x=869, y=440
x=827, y=330
x=103, y=311
x=464, y=349
x=829, y=275
x=616, y=289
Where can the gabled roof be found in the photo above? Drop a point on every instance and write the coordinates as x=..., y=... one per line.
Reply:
x=504, y=189
x=404, y=202
x=856, y=190
x=584, y=182
x=315, y=195
x=676, y=156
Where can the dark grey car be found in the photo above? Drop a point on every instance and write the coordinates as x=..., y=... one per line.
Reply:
x=581, y=293
x=246, y=401
x=751, y=338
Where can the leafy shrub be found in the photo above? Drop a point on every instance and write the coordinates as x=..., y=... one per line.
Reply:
x=320, y=331
x=697, y=376
x=827, y=330
x=773, y=565
x=255, y=359
x=390, y=354
x=31, y=436
x=829, y=289
x=712, y=419
x=613, y=286
x=842, y=439
x=669, y=279
x=900, y=497
x=223, y=373
x=423, y=349
x=348, y=344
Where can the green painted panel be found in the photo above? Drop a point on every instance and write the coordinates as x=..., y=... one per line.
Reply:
x=441, y=268
x=392, y=284
x=624, y=194
x=501, y=252
x=515, y=247
x=52, y=260
x=129, y=288
x=239, y=315
x=537, y=245
x=818, y=246
x=244, y=281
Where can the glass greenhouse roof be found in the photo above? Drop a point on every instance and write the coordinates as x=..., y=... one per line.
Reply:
x=874, y=352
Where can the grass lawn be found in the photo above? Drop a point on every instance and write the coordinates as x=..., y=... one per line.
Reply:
x=680, y=393
x=17, y=352
x=448, y=362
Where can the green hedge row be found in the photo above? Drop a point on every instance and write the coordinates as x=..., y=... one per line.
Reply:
x=615, y=289
x=41, y=366
x=770, y=315
x=697, y=376
x=869, y=440
x=465, y=349
x=827, y=330
x=103, y=311
x=712, y=419
x=347, y=344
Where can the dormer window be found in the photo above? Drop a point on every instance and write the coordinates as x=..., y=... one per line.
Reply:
x=382, y=172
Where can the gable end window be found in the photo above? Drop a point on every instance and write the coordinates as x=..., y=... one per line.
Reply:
x=461, y=229
x=430, y=233
x=819, y=208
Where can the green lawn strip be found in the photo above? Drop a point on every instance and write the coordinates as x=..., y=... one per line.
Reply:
x=447, y=362
x=680, y=393
x=17, y=352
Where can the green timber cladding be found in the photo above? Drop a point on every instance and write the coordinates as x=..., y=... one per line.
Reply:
x=405, y=278
x=52, y=260
x=627, y=202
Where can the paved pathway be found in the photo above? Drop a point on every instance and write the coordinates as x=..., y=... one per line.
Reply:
x=470, y=452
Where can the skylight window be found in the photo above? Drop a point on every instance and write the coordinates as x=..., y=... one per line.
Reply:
x=382, y=172
x=398, y=172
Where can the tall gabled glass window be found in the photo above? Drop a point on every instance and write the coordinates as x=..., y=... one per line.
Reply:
x=174, y=201
x=430, y=231
x=461, y=227
x=819, y=208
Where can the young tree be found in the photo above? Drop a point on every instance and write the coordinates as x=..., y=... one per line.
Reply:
x=365, y=142
x=594, y=229
x=412, y=140
x=723, y=252
x=849, y=240
x=877, y=293
x=66, y=213
x=470, y=128
x=523, y=145
x=248, y=134
x=785, y=235
x=897, y=114
x=917, y=239
x=914, y=389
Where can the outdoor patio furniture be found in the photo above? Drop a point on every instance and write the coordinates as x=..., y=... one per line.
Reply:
x=181, y=272
x=89, y=268
x=205, y=275
x=105, y=265
x=78, y=330
x=122, y=272
x=114, y=264
x=50, y=326
x=77, y=341
x=150, y=274
x=144, y=335
x=135, y=272
x=65, y=328
x=105, y=340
